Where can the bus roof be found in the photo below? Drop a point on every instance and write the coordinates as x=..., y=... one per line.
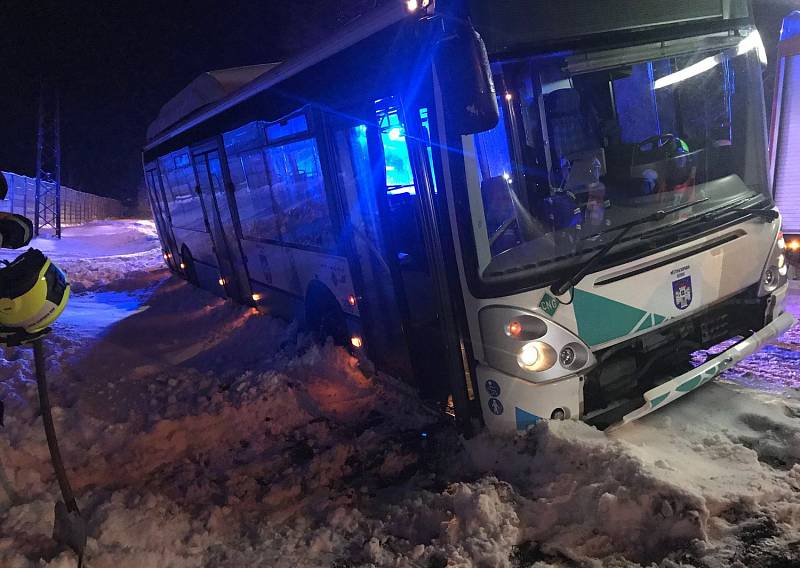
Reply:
x=208, y=88
x=161, y=131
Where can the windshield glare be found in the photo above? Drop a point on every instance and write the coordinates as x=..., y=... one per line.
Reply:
x=576, y=154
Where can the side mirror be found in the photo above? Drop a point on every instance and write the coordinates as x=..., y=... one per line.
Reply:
x=465, y=76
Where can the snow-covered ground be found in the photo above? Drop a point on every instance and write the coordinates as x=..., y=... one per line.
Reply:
x=200, y=433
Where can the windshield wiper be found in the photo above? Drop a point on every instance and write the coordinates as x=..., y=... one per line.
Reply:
x=562, y=286
x=768, y=215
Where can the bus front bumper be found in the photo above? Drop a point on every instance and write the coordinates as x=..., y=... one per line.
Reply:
x=675, y=388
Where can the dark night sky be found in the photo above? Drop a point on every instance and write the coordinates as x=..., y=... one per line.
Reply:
x=116, y=63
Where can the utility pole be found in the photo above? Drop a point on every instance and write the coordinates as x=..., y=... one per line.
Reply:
x=48, y=164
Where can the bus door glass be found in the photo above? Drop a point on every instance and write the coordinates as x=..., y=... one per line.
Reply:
x=208, y=170
x=161, y=217
x=354, y=162
x=408, y=250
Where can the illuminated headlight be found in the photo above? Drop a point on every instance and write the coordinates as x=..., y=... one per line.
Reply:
x=536, y=356
x=524, y=344
x=529, y=356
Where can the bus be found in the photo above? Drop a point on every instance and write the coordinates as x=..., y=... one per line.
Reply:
x=785, y=131
x=529, y=210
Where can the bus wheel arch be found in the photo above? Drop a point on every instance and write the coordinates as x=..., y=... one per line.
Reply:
x=324, y=316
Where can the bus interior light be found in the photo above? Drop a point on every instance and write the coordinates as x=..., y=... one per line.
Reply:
x=351, y=301
x=748, y=44
x=256, y=297
x=356, y=342
x=221, y=281
x=183, y=266
x=412, y=5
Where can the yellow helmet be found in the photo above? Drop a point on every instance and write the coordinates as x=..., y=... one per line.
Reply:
x=33, y=293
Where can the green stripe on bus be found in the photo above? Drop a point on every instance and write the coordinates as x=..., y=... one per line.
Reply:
x=658, y=400
x=601, y=319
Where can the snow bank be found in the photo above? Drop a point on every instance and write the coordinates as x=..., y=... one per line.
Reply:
x=101, y=253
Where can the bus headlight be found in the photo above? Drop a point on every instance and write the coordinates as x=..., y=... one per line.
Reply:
x=776, y=271
x=536, y=356
x=523, y=343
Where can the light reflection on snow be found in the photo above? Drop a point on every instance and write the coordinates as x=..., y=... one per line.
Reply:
x=93, y=312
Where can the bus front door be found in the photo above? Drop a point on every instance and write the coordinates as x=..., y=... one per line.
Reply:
x=410, y=251
x=212, y=189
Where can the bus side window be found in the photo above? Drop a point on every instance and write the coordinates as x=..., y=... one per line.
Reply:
x=299, y=192
x=253, y=195
x=179, y=181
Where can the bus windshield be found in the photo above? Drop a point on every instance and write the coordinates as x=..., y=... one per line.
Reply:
x=590, y=141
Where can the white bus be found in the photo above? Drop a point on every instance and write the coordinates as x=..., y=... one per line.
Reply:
x=528, y=209
x=785, y=132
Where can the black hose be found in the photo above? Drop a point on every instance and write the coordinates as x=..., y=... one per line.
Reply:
x=49, y=429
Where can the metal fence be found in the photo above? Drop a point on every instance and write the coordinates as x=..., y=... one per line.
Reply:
x=77, y=207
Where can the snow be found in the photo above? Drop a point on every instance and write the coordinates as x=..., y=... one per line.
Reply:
x=116, y=249
x=201, y=433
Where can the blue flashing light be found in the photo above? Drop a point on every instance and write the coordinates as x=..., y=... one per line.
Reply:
x=791, y=26
x=361, y=135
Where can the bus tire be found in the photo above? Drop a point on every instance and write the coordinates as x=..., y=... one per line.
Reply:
x=324, y=317
x=189, y=270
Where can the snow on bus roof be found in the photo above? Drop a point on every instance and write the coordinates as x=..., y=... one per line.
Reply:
x=208, y=88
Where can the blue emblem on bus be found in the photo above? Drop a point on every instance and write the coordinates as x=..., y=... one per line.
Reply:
x=682, y=292
x=492, y=388
x=495, y=406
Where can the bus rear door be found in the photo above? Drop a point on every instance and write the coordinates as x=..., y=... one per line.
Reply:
x=161, y=215
x=211, y=186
